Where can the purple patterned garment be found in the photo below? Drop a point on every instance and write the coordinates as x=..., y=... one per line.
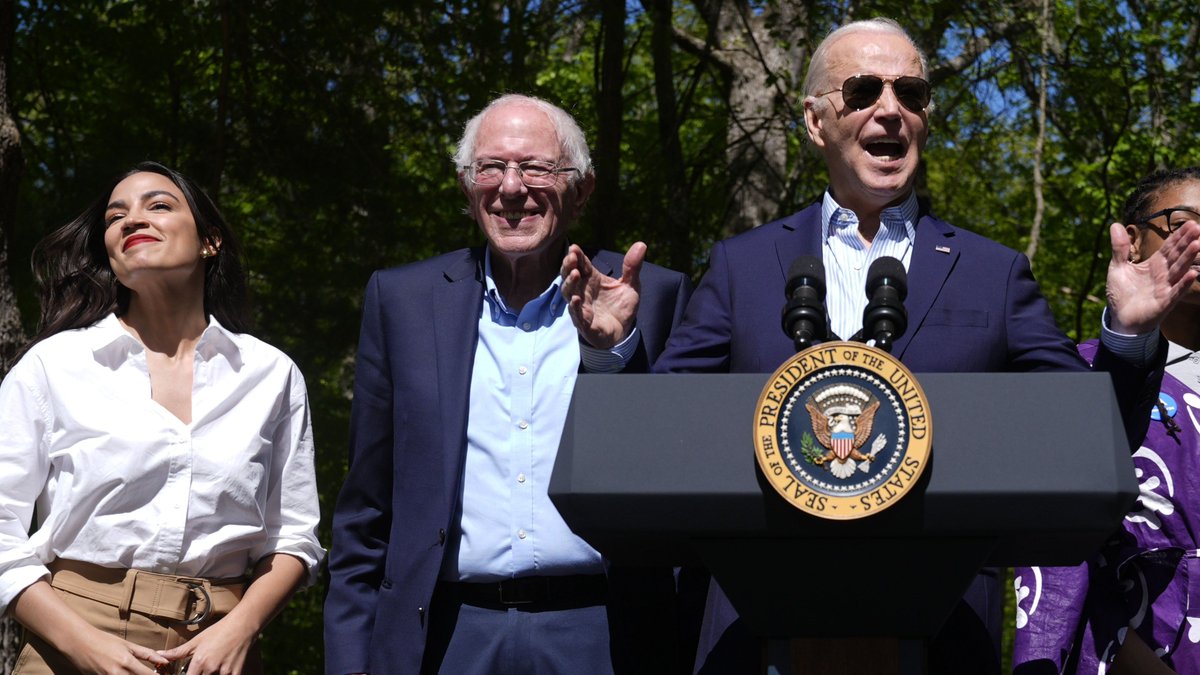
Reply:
x=1145, y=578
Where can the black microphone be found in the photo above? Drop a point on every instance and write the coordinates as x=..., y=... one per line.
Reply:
x=885, y=318
x=804, y=313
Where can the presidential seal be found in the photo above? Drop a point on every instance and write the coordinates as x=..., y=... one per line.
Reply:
x=842, y=430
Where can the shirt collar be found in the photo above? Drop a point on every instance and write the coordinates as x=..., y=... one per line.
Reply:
x=111, y=343
x=834, y=216
x=551, y=300
x=219, y=340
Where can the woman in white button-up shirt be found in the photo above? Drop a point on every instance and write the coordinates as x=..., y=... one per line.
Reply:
x=150, y=431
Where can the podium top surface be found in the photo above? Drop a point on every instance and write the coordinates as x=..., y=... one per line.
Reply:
x=1025, y=458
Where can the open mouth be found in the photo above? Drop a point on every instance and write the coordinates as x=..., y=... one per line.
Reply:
x=885, y=148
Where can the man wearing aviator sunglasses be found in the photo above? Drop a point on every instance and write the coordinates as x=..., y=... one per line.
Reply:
x=973, y=305
x=862, y=91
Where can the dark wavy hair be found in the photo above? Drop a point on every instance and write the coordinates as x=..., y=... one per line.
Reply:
x=77, y=287
x=1137, y=206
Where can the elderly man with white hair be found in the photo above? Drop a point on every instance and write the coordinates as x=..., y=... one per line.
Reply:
x=448, y=555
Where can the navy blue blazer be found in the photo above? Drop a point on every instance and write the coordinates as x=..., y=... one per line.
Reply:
x=973, y=306
x=408, y=447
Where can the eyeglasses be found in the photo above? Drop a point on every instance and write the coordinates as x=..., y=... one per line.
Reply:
x=862, y=91
x=533, y=174
x=1176, y=217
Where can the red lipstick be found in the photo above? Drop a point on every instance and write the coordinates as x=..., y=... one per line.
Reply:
x=136, y=239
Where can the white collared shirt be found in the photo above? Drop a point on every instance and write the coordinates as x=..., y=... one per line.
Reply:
x=119, y=481
x=848, y=257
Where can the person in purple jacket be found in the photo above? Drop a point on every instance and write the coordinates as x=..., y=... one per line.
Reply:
x=1133, y=608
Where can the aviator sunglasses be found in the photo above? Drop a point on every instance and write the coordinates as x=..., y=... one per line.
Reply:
x=862, y=91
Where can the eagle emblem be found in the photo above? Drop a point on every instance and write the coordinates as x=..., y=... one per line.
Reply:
x=842, y=431
x=842, y=417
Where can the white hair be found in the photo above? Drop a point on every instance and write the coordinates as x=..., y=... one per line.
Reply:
x=571, y=140
x=818, y=69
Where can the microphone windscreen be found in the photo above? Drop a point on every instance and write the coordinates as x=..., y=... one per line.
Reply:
x=806, y=270
x=890, y=271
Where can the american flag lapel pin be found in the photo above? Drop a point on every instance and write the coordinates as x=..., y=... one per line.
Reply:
x=942, y=249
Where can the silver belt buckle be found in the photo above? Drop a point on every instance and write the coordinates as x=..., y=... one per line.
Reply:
x=202, y=615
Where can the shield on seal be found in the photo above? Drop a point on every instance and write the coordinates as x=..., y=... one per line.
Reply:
x=842, y=443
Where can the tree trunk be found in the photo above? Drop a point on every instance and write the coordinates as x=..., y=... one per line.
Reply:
x=518, y=45
x=763, y=54
x=676, y=214
x=1039, y=210
x=12, y=336
x=216, y=169
x=606, y=203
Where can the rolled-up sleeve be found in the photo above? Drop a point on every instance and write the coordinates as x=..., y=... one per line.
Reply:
x=24, y=467
x=293, y=510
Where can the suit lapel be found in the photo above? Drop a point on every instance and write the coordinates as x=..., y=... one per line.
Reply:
x=804, y=239
x=934, y=255
x=606, y=262
x=456, y=310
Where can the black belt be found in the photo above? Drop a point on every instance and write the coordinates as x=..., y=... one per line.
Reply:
x=578, y=590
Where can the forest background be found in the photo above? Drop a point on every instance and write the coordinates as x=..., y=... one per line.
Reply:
x=324, y=131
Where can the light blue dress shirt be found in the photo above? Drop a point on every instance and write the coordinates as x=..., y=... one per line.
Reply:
x=846, y=278
x=521, y=384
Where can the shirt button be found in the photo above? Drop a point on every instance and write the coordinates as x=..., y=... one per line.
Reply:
x=521, y=534
x=522, y=370
x=520, y=478
x=523, y=424
x=526, y=325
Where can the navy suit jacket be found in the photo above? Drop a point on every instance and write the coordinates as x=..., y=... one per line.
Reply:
x=408, y=448
x=973, y=306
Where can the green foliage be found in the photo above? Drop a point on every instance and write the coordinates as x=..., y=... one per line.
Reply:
x=1105, y=130
x=325, y=130
x=808, y=448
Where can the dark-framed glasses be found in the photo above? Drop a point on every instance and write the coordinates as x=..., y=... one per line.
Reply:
x=533, y=174
x=862, y=91
x=1173, y=217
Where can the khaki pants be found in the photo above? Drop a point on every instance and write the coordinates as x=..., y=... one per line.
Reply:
x=153, y=610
